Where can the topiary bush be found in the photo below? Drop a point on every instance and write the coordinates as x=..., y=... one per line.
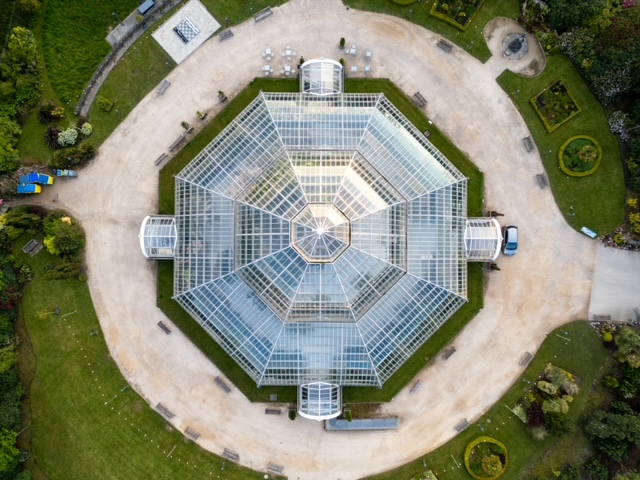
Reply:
x=580, y=156
x=104, y=103
x=458, y=13
x=486, y=458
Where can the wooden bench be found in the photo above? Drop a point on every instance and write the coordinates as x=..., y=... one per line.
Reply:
x=32, y=247
x=222, y=385
x=526, y=359
x=464, y=423
x=444, y=45
x=416, y=388
x=528, y=144
x=164, y=411
x=161, y=159
x=164, y=328
x=419, y=99
x=448, y=353
x=163, y=86
x=262, y=14
x=541, y=178
x=272, y=411
x=233, y=456
x=277, y=469
x=191, y=433
x=226, y=34
x=177, y=143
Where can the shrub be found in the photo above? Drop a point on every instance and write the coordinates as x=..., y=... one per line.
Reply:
x=557, y=423
x=539, y=433
x=64, y=270
x=104, y=103
x=404, y=3
x=292, y=414
x=547, y=387
x=51, y=135
x=86, y=129
x=73, y=156
x=485, y=458
x=50, y=111
x=64, y=237
x=348, y=416
x=68, y=137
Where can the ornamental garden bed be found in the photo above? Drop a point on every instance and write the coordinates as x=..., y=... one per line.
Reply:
x=555, y=105
x=580, y=156
x=486, y=458
x=458, y=13
x=545, y=406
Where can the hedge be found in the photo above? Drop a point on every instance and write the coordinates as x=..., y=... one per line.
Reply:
x=404, y=3
x=532, y=100
x=451, y=21
x=476, y=442
x=571, y=172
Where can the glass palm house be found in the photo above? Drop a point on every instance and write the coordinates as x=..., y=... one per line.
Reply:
x=321, y=239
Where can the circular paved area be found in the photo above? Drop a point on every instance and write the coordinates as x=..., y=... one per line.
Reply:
x=527, y=298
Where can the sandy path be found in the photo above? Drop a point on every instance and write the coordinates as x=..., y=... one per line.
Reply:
x=527, y=298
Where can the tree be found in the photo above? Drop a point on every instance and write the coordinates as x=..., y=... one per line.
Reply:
x=597, y=470
x=612, y=432
x=628, y=343
x=29, y=6
x=9, y=134
x=9, y=454
x=568, y=14
x=67, y=239
x=627, y=476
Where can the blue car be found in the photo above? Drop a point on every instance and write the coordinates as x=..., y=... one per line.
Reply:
x=510, y=245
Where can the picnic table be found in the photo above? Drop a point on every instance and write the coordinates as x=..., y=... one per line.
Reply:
x=353, y=50
x=267, y=70
x=287, y=70
x=268, y=53
x=288, y=53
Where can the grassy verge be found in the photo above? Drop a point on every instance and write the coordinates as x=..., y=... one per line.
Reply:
x=135, y=75
x=582, y=355
x=74, y=41
x=85, y=421
x=213, y=350
x=472, y=40
x=597, y=200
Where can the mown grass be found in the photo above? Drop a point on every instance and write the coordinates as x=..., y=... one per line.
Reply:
x=208, y=346
x=583, y=355
x=85, y=421
x=140, y=70
x=472, y=40
x=597, y=200
x=74, y=41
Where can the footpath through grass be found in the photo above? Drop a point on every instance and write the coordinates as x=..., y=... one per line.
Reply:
x=210, y=348
x=597, y=200
x=471, y=40
x=85, y=421
x=583, y=355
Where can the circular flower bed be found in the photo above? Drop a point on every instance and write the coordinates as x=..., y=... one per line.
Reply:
x=580, y=156
x=485, y=458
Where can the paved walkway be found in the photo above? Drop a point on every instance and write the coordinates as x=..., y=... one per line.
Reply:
x=616, y=289
x=527, y=298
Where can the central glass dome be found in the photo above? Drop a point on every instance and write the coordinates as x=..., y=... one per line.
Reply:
x=320, y=240
x=320, y=233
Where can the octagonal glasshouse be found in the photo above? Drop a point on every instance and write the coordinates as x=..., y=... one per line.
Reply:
x=321, y=240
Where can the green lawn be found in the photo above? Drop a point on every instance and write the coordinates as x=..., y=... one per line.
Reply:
x=583, y=355
x=141, y=69
x=85, y=422
x=595, y=201
x=74, y=41
x=472, y=40
x=211, y=348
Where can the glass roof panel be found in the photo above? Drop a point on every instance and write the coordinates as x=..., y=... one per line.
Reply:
x=320, y=173
x=435, y=237
x=204, y=247
x=258, y=234
x=383, y=234
x=277, y=191
x=364, y=190
x=403, y=320
x=320, y=297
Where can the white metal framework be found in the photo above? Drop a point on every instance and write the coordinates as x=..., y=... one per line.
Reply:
x=158, y=236
x=319, y=400
x=321, y=77
x=483, y=239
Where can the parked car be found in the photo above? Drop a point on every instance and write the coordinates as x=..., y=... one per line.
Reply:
x=27, y=188
x=65, y=173
x=40, y=178
x=510, y=242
